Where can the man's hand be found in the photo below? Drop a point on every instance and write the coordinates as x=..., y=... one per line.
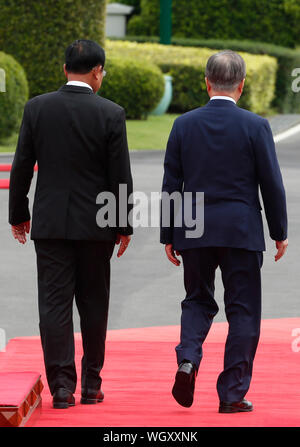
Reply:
x=171, y=254
x=124, y=243
x=19, y=231
x=281, y=249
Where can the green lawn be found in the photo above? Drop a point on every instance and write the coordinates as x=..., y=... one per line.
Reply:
x=9, y=144
x=142, y=134
x=150, y=134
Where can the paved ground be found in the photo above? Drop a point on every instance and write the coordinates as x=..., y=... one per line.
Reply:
x=146, y=289
x=280, y=123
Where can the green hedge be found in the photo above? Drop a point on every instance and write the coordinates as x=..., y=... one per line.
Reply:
x=187, y=68
x=271, y=21
x=285, y=100
x=37, y=33
x=293, y=7
x=136, y=85
x=13, y=100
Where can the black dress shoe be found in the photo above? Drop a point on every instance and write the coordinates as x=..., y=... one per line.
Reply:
x=184, y=386
x=91, y=397
x=235, y=407
x=63, y=398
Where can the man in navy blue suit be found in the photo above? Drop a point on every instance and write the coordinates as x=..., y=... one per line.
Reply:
x=228, y=154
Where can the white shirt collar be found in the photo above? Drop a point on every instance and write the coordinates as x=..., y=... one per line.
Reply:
x=228, y=98
x=79, y=84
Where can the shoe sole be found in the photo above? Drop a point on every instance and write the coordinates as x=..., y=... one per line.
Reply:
x=235, y=410
x=181, y=391
x=85, y=401
x=62, y=405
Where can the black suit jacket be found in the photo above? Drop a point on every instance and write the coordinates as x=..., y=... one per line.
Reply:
x=79, y=142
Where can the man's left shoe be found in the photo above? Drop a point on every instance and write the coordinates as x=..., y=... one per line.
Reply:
x=184, y=386
x=235, y=407
x=91, y=397
x=63, y=398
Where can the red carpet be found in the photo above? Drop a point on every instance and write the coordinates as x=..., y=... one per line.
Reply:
x=4, y=183
x=6, y=167
x=139, y=372
x=14, y=387
x=19, y=398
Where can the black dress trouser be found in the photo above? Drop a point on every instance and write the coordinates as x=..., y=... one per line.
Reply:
x=241, y=278
x=66, y=269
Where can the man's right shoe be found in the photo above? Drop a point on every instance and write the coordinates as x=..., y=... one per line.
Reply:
x=91, y=397
x=184, y=386
x=235, y=407
x=63, y=398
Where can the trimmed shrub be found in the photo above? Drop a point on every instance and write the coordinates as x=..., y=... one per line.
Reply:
x=37, y=33
x=136, y=26
x=148, y=22
x=136, y=85
x=271, y=21
x=285, y=100
x=187, y=68
x=13, y=100
x=293, y=7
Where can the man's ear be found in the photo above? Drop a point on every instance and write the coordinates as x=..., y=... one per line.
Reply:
x=97, y=71
x=241, y=86
x=65, y=71
x=208, y=85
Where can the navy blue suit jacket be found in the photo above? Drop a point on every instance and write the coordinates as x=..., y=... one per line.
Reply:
x=228, y=153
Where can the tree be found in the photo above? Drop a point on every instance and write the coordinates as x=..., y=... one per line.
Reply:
x=36, y=33
x=292, y=7
x=272, y=21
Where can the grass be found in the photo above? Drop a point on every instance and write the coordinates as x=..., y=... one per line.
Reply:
x=142, y=134
x=9, y=144
x=152, y=133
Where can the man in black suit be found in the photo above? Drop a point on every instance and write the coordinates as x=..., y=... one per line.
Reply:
x=79, y=142
x=228, y=154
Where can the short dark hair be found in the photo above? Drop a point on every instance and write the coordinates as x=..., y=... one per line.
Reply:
x=225, y=70
x=83, y=55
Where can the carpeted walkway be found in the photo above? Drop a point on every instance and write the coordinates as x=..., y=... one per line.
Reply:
x=139, y=373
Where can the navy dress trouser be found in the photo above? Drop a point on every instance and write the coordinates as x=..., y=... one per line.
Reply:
x=241, y=278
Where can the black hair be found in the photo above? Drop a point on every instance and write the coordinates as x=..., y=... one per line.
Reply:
x=83, y=55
